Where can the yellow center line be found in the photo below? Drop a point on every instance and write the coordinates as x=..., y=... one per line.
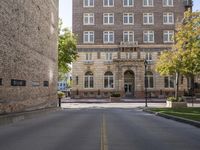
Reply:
x=104, y=139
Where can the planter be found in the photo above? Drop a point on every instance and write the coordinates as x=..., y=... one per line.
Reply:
x=171, y=104
x=115, y=99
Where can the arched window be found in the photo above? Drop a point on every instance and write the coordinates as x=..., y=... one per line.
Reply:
x=89, y=80
x=108, y=80
x=149, y=79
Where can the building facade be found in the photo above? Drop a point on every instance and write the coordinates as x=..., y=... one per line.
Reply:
x=114, y=39
x=28, y=54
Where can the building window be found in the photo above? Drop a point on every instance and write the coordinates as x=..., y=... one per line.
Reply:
x=168, y=36
x=18, y=82
x=129, y=55
x=168, y=18
x=89, y=80
x=128, y=36
x=108, y=3
x=108, y=18
x=128, y=3
x=88, y=37
x=76, y=80
x=108, y=80
x=149, y=79
x=108, y=37
x=109, y=56
x=46, y=83
x=168, y=3
x=148, y=36
x=1, y=82
x=148, y=57
x=88, y=3
x=128, y=18
x=88, y=56
x=169, y=82
x=148, y=18
x=148, y=3
x=88, y=19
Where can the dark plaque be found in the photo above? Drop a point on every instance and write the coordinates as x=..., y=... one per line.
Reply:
x=46, y=83
x=18, y=82
x=0, y=81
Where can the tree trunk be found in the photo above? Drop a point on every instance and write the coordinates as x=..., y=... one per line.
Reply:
x=177, y=85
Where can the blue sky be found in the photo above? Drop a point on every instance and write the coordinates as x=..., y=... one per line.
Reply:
x=65, y=12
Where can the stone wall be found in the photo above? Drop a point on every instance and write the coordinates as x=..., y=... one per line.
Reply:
x=28, y=54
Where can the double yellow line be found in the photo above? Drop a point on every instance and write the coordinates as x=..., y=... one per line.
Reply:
x=104, y=139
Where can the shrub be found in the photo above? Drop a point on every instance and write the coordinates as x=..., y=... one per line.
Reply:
x=173, y=99
x=115, y=95
x=60, y=94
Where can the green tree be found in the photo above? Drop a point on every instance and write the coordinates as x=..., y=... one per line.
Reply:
x=67, y=52
x=188, y=44
x=184, y=58
x=170, y=63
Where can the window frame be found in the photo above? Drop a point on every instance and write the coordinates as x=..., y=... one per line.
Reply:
x=128, y=3
x=170, y=80
x=128, y=15
x=89, y=37
x=84, y=3
x=108, y=34
x=129, y=33
x=168, y=36
x=167, y=15
x=148, y=79
x=148, y=36
x=89, y=79
x=84, y=16
x=148, y=3
x=110, y=85
x=109, y=15
x=108, y=3
x=148, y=18
x=167, y=3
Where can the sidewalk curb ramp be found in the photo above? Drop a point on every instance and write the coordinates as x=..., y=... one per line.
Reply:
x=179, y=119
x=15, y=117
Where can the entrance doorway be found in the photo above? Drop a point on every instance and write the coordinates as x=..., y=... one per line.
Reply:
x=129, y=82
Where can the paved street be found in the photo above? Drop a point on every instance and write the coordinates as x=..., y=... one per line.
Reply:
x=99, y=129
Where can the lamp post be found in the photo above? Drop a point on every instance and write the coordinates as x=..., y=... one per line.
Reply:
x=145, y=75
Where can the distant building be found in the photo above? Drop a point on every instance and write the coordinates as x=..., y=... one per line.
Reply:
x=114, y=39
x=28, y=54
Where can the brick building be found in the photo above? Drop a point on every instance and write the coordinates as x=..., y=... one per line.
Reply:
x=114, y=39
x=28, y=54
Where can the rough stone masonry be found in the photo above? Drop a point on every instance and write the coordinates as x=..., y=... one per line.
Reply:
x=28, y=54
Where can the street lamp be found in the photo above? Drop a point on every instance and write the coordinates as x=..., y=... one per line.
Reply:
x=145, y=76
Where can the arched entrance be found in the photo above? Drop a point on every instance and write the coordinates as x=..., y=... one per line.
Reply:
x=129, y=83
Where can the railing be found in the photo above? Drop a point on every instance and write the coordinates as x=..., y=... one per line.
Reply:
x=129, y=44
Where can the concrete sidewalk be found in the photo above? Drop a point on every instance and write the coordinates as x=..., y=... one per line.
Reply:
x=115, y=105
x=123, y=100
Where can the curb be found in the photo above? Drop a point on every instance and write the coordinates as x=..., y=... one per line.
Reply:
x=179, y=119
x=12, y=118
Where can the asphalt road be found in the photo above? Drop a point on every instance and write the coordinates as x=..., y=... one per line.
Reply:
x=99, y=129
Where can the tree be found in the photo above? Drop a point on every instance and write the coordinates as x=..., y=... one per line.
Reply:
x=170, y=63
x=184, y=58
x=188, y=44
x=67, y=52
